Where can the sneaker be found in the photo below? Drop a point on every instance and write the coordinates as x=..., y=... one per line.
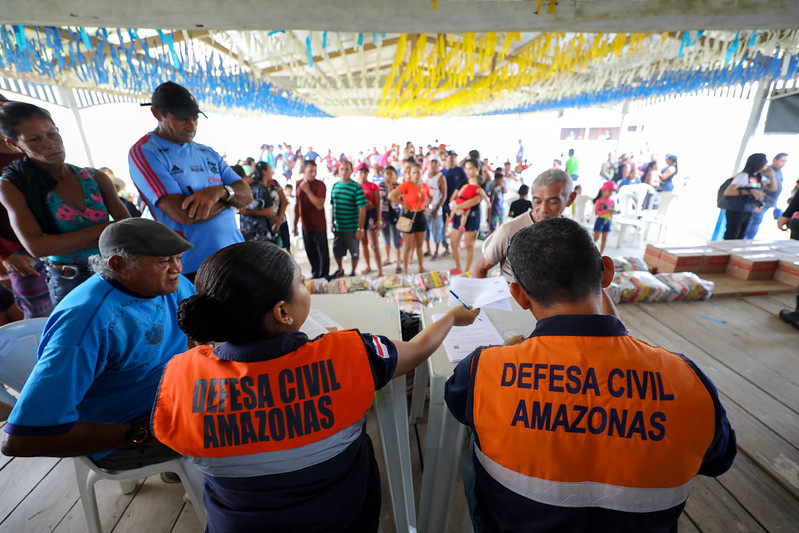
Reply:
x=336, y=274
x=790, y=317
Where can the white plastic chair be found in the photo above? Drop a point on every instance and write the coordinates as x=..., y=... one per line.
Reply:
x=583, y=207
x=19, y=342
x=629, y=206
x=659, y=217
x=89, y=473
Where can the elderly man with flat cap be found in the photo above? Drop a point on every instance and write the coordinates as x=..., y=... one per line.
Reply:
x=102, y=354
x=186, y=185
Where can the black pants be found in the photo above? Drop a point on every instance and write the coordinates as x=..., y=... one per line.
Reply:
x=318, y=253
x=794, y=225
x=737, y=222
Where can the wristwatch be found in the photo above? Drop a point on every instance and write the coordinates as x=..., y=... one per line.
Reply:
x=231, y=192
x=137, y=434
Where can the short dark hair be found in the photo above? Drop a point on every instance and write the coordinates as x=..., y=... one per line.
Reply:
x=307, y=162
x=239, y=170
x=523, y=190
x=780, y=155
x=474, y=162
x=236, y=287
x=555, y=261
x=12, y=113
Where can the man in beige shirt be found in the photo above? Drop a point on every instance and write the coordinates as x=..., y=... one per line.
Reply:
x=553, y=191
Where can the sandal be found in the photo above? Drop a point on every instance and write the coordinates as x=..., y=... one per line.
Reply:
x=398, y=270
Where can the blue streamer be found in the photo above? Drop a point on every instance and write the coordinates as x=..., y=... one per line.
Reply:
x=752, y=39
x=167, y=39
x=19, y=32
x=310, y=52
x=324, y=40
x=360, y=39
x=84, y=35
x=275, y=31
x=732, y=49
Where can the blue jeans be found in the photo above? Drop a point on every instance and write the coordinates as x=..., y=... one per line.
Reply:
x=754, y=224
x=435, y=228
x=469, y=486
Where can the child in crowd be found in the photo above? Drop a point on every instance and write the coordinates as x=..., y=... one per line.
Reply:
x=604, y=207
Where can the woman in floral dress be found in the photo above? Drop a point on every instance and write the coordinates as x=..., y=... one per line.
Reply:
x=57, y=210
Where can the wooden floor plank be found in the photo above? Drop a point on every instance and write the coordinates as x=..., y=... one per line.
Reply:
x=686, y=526
x=644, y=323
x=773, y=304
x=47, y=504
x=187, y=521
x=765, y=442
x=20, y=477
x=111, y=504
x=724, y=343
x=711, y=508
x=155, y=509
x=776, y=509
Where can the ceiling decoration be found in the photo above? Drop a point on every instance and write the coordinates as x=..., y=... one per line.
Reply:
x=419, y=57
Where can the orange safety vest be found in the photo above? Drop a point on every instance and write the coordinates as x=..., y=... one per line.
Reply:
x=210, y=407
x=591, y=421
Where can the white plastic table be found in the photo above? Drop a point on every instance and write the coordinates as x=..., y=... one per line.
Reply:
x=369, y=313
x=445, y=435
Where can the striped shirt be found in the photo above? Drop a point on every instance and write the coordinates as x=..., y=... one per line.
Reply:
x=347, y=199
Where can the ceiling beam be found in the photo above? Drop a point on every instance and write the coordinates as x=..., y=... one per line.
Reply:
x=410, y=16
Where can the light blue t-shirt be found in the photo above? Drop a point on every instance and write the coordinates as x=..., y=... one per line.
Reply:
x=101, y=357
x=159, y=167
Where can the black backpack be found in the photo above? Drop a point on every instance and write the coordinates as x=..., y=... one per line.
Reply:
x=721, y=200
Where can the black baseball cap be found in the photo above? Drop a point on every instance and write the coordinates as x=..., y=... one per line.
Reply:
x=176, y=99
x=141, y=236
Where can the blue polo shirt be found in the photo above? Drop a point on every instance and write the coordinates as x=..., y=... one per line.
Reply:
x=159, y=167
x=100, y=359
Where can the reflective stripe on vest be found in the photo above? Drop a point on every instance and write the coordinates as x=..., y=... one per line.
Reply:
x=209, y=407
x=570, y=420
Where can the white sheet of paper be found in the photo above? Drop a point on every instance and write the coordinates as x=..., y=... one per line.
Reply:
x=462, y=340
x=480, y=292
x=318, y=323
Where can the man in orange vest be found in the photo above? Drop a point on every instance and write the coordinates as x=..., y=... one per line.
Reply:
x=581, y=427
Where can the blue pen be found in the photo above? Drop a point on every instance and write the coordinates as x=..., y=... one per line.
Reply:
x=463, y=303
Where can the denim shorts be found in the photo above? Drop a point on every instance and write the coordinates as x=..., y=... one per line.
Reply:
x=602, y=225
x=63, y=277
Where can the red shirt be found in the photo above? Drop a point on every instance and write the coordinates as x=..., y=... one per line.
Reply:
x=466, y=193
x=313, y=219
x=372, y=193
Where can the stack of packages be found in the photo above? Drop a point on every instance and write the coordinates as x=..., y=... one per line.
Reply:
x=411, y=292
x=634, y=283
x=746, y=260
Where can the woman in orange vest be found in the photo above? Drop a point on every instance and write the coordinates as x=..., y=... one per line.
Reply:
x=273, y=419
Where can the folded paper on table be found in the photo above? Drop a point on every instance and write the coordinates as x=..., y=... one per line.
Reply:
x=462, y=340
x=481, y=292
x=318, y=323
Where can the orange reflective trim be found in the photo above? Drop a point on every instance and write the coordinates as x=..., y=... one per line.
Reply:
x=609, y=410
x=209, y=407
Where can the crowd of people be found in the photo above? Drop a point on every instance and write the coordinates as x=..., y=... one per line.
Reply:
x=180, y=335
